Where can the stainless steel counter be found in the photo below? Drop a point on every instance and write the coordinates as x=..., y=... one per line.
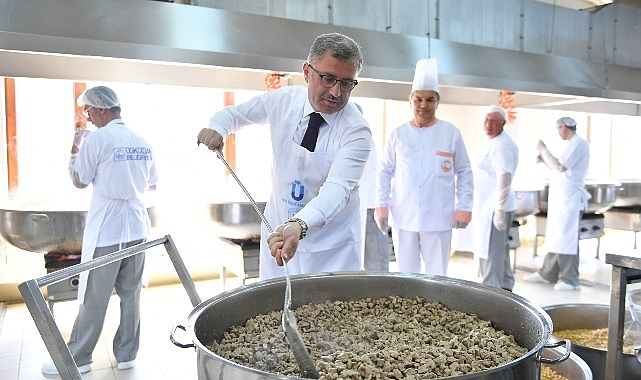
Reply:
x=625, y=270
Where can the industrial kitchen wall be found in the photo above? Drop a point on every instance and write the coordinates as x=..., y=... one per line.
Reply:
x=524, y=46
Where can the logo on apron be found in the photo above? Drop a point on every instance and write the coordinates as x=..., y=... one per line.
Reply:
x=297, y=185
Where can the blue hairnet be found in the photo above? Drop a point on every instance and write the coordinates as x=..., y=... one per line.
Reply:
x=99, y=97
x=567, y=121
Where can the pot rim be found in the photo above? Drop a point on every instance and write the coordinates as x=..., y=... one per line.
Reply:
x=534, y=309
x=584, y=305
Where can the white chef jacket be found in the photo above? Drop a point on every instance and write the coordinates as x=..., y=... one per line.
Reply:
x=424, y=174
x=567, y=197
x=120, y=165
x=500, y=156
x=343, y=143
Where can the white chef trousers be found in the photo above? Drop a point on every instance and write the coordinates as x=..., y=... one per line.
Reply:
x=422, y=252
x=376, y=254
x=496, y=270
x=126, y=276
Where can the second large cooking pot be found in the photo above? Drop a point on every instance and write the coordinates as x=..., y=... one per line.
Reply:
x=592, y=316
x=603, y=197
x=509, y=312
x=48, y=230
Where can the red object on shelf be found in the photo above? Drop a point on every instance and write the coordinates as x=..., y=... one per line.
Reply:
x=506, y=101
x=273, y=81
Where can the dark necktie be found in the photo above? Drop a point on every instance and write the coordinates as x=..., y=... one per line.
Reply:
x=311, y=134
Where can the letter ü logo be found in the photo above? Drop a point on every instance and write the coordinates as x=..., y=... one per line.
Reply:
x=301, y=191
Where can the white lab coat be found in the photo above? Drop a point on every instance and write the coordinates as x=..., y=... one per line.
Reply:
x=117, y=213
x=424, y=174
x=501, y=156
x=567, y=197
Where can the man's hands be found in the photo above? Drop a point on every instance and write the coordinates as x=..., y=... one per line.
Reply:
x=381, y=217
x=462, y=218
x=283, y=242
x=79, y=139
x=211, y=138
x=499, y=220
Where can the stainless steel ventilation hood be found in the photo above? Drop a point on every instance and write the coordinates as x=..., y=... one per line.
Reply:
x=157, y=42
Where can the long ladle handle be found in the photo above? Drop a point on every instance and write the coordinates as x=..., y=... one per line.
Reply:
x=288, y=288
x=251, y=199
x=288, y=320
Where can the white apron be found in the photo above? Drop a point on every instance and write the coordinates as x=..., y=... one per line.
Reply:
x=565, y=202
x=484, y=198
x=335, y=246
x=95, y=218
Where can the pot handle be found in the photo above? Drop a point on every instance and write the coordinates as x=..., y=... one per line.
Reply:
x=177, y=343
x=562, y=358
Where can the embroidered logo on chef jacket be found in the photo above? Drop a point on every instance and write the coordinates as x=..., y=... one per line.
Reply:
x=446, y=164
x=132, y=154
x=298, y=190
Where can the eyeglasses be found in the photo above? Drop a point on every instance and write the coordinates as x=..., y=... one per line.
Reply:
x=86, y=111
x=329, y=81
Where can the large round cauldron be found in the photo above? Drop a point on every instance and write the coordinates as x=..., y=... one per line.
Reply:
x=47, y=231
x=628, y=194
x=527, y=203
x=591, y=316
x=236, y=220
x=511, y=313
x=603, y=197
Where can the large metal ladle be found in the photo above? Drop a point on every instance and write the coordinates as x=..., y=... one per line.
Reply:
x=288, y=320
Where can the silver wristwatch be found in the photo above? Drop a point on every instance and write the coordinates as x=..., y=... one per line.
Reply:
x=303, y=227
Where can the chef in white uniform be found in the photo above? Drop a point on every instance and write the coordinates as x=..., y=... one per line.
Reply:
x=119, y=163
x=567, y=198
x=314, y=203
x=494, y=201
x=424, y=181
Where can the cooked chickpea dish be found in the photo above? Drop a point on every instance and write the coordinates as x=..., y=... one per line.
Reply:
x=387, y=338
x=593, y=338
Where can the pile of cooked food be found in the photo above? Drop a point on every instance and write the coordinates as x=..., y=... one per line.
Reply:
x=386, y=338
x=595, y=338
x=548, y=373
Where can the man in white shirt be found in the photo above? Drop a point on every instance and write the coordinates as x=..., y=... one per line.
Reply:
x=494, y=201
x=119, y=163
x=424, y=181
x=314, y=186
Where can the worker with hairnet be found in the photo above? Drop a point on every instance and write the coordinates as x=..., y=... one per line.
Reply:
x=567, y=198
x=120, y=165
x=494, y=201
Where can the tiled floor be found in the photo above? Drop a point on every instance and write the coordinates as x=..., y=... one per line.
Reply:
x=22, y=351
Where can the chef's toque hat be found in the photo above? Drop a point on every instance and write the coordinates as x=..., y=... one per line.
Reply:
x=99, y=97
x=567, y=121
x=497, y=109
x=426, y=75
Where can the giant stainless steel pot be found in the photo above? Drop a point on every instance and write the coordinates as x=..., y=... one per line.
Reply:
x=628, y=194
x=515, y=315
x=47, y=231
x=591, y=316
x=527, y=203
x=603, y=197
x=237, y=220
x=574, y=368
